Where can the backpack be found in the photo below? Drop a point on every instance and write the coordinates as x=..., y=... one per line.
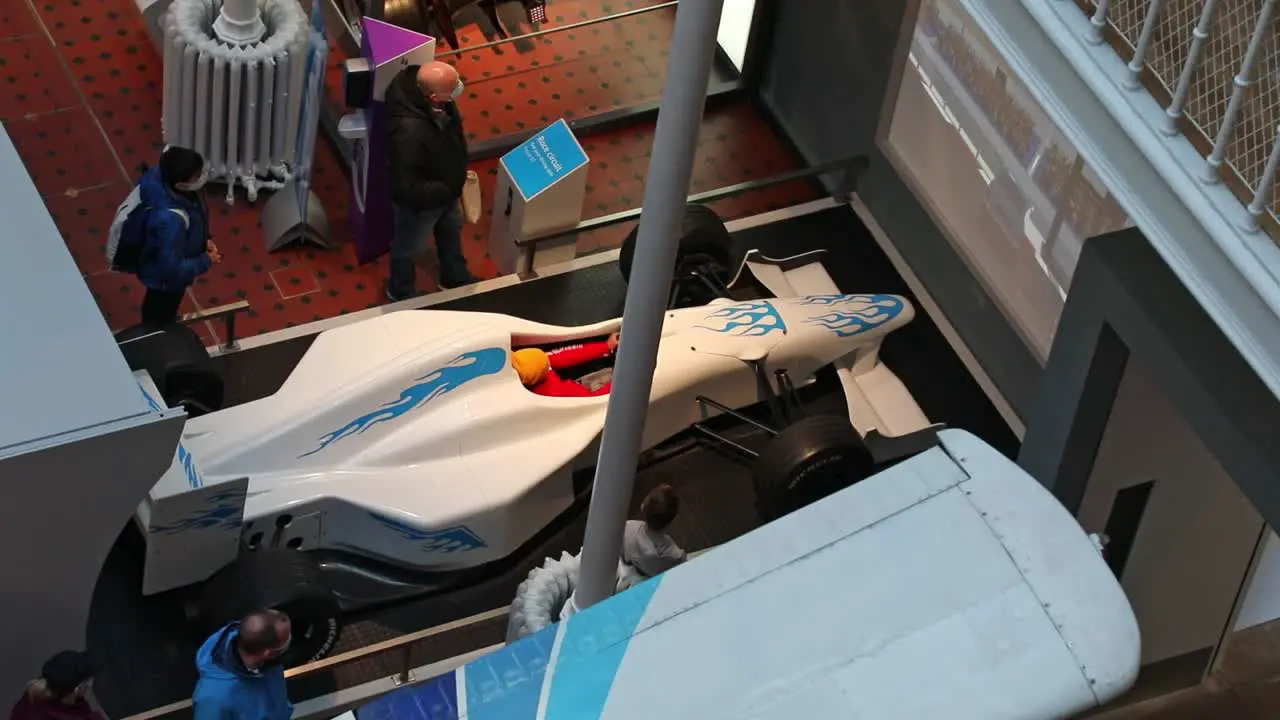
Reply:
x=128, y=234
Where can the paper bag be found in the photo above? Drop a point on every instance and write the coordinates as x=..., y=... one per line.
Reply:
x=471, y=203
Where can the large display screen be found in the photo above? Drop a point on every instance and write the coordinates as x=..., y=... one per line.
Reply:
x=1000, y=179
x=735, y=30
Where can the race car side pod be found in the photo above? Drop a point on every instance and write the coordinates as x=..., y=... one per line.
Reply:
x=693, y=44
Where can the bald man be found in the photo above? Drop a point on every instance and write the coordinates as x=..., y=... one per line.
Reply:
x=241, y=675
x=428, y=169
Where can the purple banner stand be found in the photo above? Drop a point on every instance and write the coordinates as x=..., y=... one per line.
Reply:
x=389, y=50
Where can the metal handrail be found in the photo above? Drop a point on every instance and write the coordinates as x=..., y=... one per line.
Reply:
x=336, y=6
x=561, y=28
x=227, y=313
x=852, y=167
x=403, y=643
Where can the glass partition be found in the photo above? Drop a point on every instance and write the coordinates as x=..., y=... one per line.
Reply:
x=1001, y=180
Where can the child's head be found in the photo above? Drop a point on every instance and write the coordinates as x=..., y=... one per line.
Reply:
x=531, y=364
x=659, y=507
x=183, y=169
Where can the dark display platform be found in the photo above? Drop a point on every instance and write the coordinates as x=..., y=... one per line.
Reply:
x=152, y=654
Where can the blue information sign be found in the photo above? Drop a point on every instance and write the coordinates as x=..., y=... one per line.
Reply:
x=544, y=159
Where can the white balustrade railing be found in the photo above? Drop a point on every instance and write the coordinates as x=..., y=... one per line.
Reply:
x=1215, y=65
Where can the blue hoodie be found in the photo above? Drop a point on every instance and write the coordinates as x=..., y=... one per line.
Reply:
x=226, y=690
x=174, y=254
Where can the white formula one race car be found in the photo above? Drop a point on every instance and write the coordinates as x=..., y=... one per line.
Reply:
x=403, y=449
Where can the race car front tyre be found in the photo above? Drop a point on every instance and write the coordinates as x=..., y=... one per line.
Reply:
x=177, y=361
x=704, y=244
x=810, y=459
x=285, y=580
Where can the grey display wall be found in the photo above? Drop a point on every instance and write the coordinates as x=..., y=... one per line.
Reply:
x=1192, y=544
x=1127, y=303
x=833, y=66
x=79, y=445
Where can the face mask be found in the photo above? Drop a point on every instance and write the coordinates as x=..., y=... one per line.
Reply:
x=457, y=91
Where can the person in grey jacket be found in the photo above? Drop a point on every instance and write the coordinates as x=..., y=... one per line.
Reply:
x=646, y=546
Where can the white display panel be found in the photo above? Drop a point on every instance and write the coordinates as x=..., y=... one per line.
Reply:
x=1000, y=179
x=735, y=30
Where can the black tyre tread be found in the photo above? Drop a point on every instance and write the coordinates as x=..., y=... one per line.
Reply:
x=702, y=230
x=284, y=579
x=182, y=370
x=807, y=441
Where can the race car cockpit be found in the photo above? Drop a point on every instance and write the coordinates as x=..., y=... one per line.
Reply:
x=577, y=368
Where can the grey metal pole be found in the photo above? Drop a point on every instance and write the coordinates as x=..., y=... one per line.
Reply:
x=693, y=45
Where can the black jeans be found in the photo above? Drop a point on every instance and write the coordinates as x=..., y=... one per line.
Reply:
x=160, y=307
x=410, y=241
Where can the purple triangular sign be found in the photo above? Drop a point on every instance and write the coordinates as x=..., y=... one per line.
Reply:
x=386, y=42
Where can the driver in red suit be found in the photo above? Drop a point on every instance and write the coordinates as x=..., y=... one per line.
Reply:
x=537, y=368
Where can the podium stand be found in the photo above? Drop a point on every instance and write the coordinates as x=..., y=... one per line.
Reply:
x=540, y=189
x=388, y=49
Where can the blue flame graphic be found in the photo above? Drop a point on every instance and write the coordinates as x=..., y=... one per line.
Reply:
x=459, y=538
x=458, y=372
x=189, y=466
x=748, y=319
x=225, y=513
x=878, y=310
x=184, y=455
x=829, y=300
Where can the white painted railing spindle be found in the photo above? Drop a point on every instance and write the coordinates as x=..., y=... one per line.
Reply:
x=1243, y=81
x=1198, y=37
x=1139, y=60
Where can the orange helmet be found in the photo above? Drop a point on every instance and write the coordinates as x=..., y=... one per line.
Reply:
x=531, y=364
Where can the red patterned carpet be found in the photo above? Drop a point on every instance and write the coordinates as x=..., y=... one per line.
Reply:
x=80, y=97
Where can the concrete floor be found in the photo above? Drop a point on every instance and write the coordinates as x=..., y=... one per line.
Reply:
x=1245, y=686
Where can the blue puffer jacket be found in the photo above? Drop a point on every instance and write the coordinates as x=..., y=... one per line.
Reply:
x=226, y=690
x=175, y=251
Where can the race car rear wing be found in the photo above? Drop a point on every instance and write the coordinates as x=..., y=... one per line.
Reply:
x=792, y=276
x=881, y=408
x=192, y=527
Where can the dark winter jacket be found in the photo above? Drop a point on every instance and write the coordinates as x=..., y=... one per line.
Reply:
x=28, y=709
x=428, y=154
x=175, y=250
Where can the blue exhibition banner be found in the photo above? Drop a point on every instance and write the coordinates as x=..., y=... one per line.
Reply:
x=309, y=108
x=544, y=159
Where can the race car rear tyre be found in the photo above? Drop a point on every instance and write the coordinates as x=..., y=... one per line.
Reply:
x=704, y=243
x=285, y=580
x=807, y=461
x=177, y=361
